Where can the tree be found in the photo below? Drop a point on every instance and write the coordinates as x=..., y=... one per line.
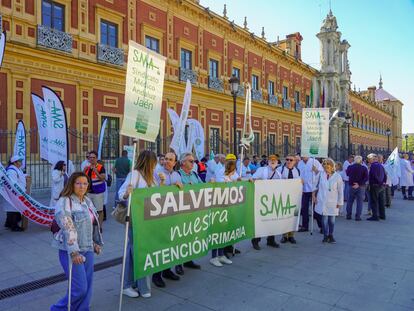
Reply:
x=409, y=143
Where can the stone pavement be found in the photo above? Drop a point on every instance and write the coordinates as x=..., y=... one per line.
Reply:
x=370, y=268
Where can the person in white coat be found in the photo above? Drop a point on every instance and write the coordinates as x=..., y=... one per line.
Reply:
x=58, y=182
x=17, y=176
x=329, y=197
x=406, y=180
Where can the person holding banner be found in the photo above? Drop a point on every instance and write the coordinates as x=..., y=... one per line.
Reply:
x=59, y=180
x=267, y=172
x=188, y=177
x=77, y=240
x=143, y=176
x=16, y=175
x=289, y=171
x=170, y=177
x=329, y=197
x=97, y=174
x=245, y=173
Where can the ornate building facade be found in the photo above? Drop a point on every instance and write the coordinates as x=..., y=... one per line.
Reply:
x=78, y=48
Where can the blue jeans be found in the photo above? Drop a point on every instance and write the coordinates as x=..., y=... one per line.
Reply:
x=142, y=285
x=357, y=194
x=82, y=277
x=347, y=188
x=119, y=182
x=328, y=225
x=217, y=252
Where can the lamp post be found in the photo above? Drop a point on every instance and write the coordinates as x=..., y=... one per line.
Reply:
x=388, y=132
x=348, y=119
x=406, y=142
x=234, y=88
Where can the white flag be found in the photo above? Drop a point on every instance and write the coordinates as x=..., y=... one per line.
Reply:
x=178, y=141
x=174, y=118
x=197, y=139
x=101, y=136
x=392, y=166
x=2, y=46
x=58, y=148
x=42, y=124
x=20, y=143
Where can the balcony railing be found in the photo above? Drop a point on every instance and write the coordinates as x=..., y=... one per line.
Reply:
x=286, y=104
x=215, y=84
x=241, y=92
x=257, y=95
x=54, y=39
x=188, y=74
x=273, y=100
x=298, y=107
x=110, y=55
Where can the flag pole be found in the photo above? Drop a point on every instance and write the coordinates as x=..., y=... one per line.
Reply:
x=127, y=228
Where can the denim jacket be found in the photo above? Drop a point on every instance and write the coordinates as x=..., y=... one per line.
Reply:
x=77, y=234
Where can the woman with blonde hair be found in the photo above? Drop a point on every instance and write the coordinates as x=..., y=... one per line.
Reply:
x=329, y=197
x=143, y=176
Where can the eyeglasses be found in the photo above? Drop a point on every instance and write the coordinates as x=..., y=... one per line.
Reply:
x=290, y=160
x=80, y=184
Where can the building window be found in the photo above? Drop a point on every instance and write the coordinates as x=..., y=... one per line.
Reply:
x=297, y=97
x=236, y=72
x=285, y=92
x=186, y=62
x=213, y=66
x=109, y=34
x=307, y=101
x=272, y=143
x=297, y=144
x=152, y=43
x=255, y=82
x=256, y=144
x=214, y=140
x=285, y=145
x=271, y=88
x=110, y=145
x=53, y=15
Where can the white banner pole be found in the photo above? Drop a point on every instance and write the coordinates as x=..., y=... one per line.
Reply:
x=127, y=229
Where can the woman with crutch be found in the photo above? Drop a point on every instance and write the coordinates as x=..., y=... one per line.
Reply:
x=77, y=236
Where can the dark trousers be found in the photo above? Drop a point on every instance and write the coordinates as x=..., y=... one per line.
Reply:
x=377, y=195
x=357, y=194
x=387, y=196
x=270, y=238
x=304, y=211
x=12, y=220
x=410, y=191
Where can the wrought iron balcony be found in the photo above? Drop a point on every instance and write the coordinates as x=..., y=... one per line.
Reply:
x=298, y=107
x=273, y=100
x=286, y=104
x=257, y=95
x=54, y=39
x=110, y=55
x=241, y=92
x=215, y=84
x=188, y=74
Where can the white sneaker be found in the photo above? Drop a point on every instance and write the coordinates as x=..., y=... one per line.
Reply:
x=130, y=292
x=225, y=260
x=146, y=295
x=216, y=262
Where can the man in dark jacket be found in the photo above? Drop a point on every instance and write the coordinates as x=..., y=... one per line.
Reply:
x=358, y=177
x=377, y=180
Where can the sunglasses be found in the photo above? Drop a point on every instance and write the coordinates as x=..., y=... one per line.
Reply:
x=290, y=160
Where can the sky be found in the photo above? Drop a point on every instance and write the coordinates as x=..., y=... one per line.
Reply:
x=380, y=32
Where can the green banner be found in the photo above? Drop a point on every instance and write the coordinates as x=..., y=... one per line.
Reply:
x=172, y=225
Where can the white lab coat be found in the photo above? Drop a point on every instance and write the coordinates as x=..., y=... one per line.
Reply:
x=265, y=172
x=211, y=166
x=16, y=175
x=57, y=184
x=330, y=194
x=406, y=179
x=231, y=178
x=245, y=171
x=219, y=170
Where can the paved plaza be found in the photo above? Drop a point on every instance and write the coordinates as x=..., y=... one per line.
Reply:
x=370, y=268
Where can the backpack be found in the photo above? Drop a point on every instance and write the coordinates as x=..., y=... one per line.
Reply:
x=109, y=180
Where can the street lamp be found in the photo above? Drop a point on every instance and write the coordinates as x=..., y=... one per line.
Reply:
x=406, y=142
x=348, y=119
x=388, y=132
x=234, y=88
